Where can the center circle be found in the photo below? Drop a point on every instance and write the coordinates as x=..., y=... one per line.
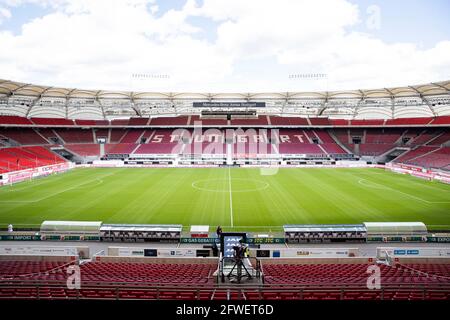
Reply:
x=223, y=185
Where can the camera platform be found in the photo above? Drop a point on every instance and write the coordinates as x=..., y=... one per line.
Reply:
x=240, y=271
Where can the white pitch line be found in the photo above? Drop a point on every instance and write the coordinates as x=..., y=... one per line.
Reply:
x=57, y=193
x=32, y=185
x=231, y=197
x=194, y=185
x=395, y=190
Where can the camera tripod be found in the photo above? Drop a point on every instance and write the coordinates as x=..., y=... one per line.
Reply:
x=239, y=265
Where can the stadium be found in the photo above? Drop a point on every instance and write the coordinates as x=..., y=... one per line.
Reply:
x=302, y=195
x=171, y=169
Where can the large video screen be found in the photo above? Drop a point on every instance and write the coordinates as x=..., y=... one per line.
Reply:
x=229, y=240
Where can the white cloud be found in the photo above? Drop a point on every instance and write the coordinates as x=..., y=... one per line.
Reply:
x=100, y=44
x=4, y=14
x=154, y=9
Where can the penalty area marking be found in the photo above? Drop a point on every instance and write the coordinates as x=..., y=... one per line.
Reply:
x=379, y=186
x=376, y=186
x=32, y=183
x=99, y=181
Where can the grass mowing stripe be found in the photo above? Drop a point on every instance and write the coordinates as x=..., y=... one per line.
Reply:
x=395, y=182
x=231, y=196
x=166, y=195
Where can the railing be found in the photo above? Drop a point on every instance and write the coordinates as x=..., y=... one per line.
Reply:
x=210, y=283
x=220, y=267
x=160, y=292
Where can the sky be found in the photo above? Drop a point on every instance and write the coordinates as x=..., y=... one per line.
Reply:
x=225, y=45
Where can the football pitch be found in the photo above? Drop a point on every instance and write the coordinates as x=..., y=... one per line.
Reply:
x=235, y=198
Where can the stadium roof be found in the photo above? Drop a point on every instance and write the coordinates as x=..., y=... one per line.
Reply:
x=9, y=88
x=29, y=100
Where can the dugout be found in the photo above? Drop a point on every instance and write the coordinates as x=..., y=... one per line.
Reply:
x=70, y=230
x=325, y=233
x=396, y=231
x=141, y=232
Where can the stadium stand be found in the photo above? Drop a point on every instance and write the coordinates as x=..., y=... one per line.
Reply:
x=23, y=136
x=148, y=273
x=385, y=136
x=75, y=135
x=138, y=121
x=376, y=126
x=207, y=121
x=14, y=120
x=443, y=120
x=52, y=121
x=90, y=123
x=120, y=122
x=364, y=123
x=132, y=136
x=369, y=149
x=438, y=158
x=117, y=135
x=158, y=148
x=48, y=134
x=444, y=138
x=348, y=274
x=260, y=120
x=300, y=148
x=340, y=122
x=411, y=154
x=307, y=135
x=321, y=137
x=422, y=137
x=246, y=149
x=84, y=150
x=25, y=269
x=169, y=121
x=332, y=148
x=101, y=133
x=319, y=121
x=287, y=121
x=408, y=121
x=191, y=281
x=120, y=148
x=19, y=158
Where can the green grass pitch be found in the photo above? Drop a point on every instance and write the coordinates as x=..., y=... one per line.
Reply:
x=238, y=197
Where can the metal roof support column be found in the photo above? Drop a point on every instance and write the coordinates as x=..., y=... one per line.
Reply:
x=392, y=102
x=425, y=100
